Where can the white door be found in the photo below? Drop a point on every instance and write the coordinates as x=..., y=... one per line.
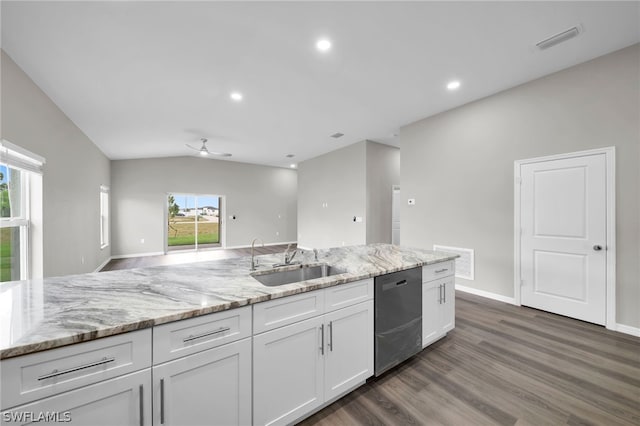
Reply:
x=211, y=387
x=563, y=236
x=288, y=372
x=431, y=300
x=395, y=216
x=349, y=348
x=125, y=400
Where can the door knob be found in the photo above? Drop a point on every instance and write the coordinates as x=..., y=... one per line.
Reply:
x=597, y=247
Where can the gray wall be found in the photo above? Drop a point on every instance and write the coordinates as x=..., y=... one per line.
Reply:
x=74, y=170
x=262, y=198
x=335, y=187
x=383, y=171
x=459, y=166
x=331, y=190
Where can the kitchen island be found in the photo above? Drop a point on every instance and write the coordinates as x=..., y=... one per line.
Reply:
x=39, y=316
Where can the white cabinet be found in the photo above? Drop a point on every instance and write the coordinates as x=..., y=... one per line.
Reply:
x=101, y=382
x=210, y=387
x=438, y=302
x=202, y=370
x=288, y=378
x=349, y=348
x=302, y=365
x=125, y=400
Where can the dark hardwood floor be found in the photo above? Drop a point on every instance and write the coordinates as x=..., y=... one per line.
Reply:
x=504, y=365
x=176, y=257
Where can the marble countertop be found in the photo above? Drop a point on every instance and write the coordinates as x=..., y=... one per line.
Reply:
x=42, y=314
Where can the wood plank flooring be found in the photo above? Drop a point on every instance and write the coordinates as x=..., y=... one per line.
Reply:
x=504, y=365
x=176, y=257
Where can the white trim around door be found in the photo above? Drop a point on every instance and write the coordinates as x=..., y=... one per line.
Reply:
x=609, y=153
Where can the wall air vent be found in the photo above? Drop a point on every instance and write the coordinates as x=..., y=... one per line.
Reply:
x=559, y=38
x=337, y=135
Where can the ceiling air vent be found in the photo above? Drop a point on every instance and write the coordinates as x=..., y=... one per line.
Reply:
x=337, y=135
x=558, y=38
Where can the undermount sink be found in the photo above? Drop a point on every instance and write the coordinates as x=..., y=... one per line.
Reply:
x=300, y=273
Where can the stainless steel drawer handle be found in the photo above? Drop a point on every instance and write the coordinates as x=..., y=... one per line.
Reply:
x=56, y=373
x=141, y=405
x=331, y=336
x=161, y=401
x=439, y=271
x=208, y=333
x=322, y=339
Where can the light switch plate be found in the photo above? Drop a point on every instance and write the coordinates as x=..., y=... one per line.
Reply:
x=411, y=201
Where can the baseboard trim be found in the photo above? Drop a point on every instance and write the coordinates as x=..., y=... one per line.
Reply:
x=627, y=329
x=127, y=256
x=103, y=264
x=260, y=245
x=487, y=294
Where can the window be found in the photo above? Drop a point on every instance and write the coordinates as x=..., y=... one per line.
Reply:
x=104, y=216
x=193, y=221
x=20, y=213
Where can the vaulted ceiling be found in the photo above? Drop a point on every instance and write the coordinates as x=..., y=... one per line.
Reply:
x=142, y=79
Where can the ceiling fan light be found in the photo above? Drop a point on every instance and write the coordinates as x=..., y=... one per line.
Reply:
x=204, y=152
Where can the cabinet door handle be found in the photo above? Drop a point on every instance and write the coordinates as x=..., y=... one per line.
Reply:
x=141, y=405
x=439, y=271
x=205, y=334
x=440, y=294
x=444, y=293
x=322, y=339
x=56, y=373
x=331, y=335
x=161, y=401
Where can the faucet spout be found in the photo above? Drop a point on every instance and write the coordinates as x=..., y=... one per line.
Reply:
x=288, y=257
x=254, y=262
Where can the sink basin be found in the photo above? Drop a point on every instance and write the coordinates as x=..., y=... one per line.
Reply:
x=300, y=273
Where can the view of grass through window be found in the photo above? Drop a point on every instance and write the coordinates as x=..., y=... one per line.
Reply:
x=9, y=235
x=193, y=221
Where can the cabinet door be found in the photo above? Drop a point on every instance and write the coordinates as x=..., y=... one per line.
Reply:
x=125, y=400
x=212, y=387
x=288, y=372
x=448, y=310
x=431, y=312
x=348, y=349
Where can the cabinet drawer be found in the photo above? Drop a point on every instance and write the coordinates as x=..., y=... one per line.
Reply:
x=180, y=338
x=344, y=295
x=438, y=270
x=287, y=310
x=34, y=376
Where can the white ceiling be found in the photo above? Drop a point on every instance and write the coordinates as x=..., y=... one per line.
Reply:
x=142, y=79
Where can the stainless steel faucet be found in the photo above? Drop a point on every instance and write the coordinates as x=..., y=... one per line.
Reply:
x=315, y=254
x=289, y=257
x=254, y=262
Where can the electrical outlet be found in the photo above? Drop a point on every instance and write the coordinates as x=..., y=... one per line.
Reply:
x=141, y=240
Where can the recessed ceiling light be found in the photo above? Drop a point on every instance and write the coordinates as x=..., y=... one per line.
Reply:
x=453, y=85
x=236, y=96
x=290, y=155
x=293, y=166
x=323, y=45
x=337, y=135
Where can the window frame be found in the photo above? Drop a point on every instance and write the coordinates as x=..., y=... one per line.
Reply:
x=30, y=166
x=105, y=217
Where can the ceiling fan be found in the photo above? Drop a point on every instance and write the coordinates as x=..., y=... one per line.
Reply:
x=205, y=152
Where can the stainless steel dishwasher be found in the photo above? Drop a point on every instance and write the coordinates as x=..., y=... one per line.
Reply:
x=398, y=317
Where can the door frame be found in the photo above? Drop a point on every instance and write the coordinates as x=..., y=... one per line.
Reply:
x=222, y=234
x=610, y=166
